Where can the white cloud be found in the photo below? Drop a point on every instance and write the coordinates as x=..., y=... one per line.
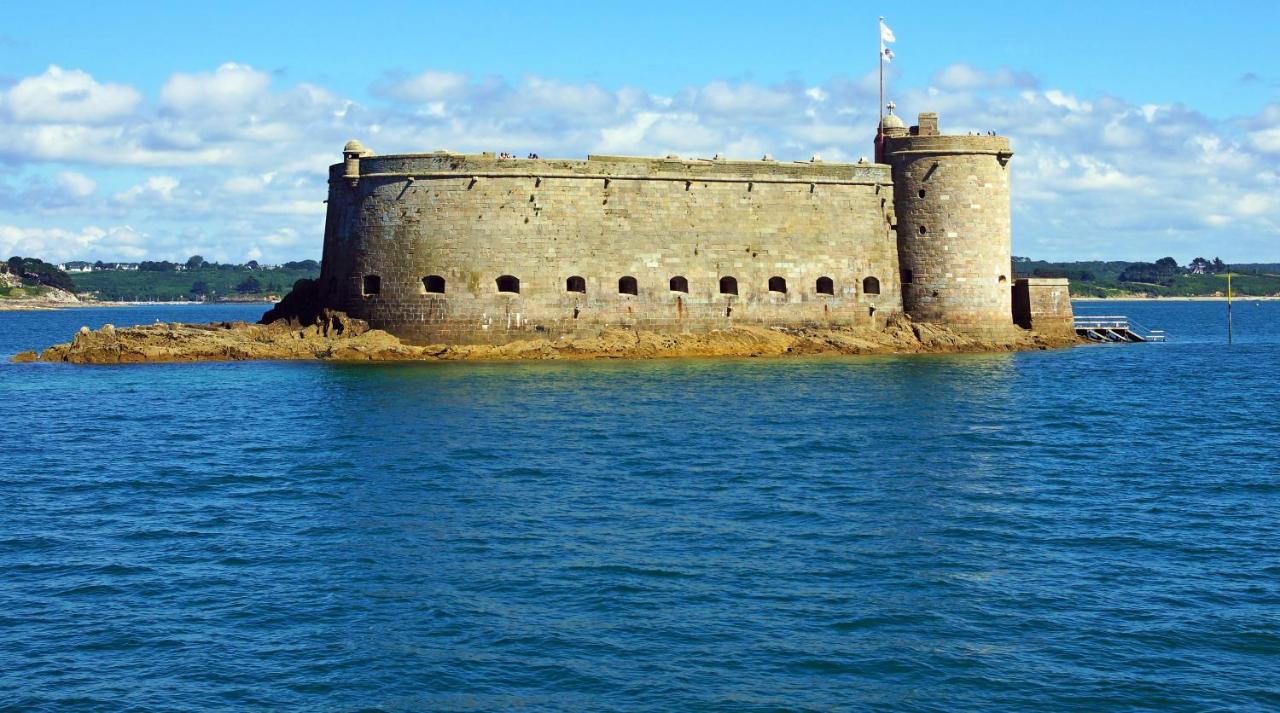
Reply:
x=155, y=188
x=298, y=207
x=1266, y=139
x=538, y=94
x=227, y=89
x=1090, y=174
x=746, y=98
x=282, y=237
x=77, y=184
x=58, y=244
x=426, y=87
x=1067, y=101
x=248, y=184
x=1251, y=204
x=119, y=145
x=68, y=96
x=1122, y=134
x=963, y=77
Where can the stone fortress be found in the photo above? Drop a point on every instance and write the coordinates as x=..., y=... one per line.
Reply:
x=444, y=248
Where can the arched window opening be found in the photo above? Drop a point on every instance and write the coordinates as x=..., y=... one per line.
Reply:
x=1003, y=279
x=826, y=286
x=907, y=276
x=627, y=286
x=728, y=286
x=923, y=230
x=679, y=284
x=509, y=283
x=434, y=284
x=575, y=284
x=871, y=286
x=371, y=285
x=777, y=284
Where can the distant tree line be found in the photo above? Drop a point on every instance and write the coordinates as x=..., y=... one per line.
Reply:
x=197, y=262
x=1164, y=270
x=1164, y=277
x=194, y=263
x=1075, y=275
x=1161, y=272
x=161, y=279
x=34, y=271
x=1200, y=266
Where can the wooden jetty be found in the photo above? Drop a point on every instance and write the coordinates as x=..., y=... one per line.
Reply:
x=1113, y=328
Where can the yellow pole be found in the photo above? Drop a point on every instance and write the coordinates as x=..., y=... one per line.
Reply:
x=1228, y=306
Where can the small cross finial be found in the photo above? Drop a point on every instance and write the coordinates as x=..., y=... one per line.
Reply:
x=891, y=106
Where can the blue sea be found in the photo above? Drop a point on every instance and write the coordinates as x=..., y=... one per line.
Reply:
x=1089, y=529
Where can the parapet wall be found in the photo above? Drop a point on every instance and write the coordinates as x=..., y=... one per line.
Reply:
x=818, y=234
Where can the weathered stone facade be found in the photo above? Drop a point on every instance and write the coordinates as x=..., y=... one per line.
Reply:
x=804, y=242
x=954, y=231
x=452, y=248
x=1043, y=304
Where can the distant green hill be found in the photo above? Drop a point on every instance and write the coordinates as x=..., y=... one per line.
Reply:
x=1258, y=267
x=1158, y=279
x=211, y=283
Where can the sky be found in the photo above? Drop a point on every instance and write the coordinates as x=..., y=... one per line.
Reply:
x=150, y=131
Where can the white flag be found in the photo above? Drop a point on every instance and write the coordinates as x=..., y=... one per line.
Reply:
x=886, y=35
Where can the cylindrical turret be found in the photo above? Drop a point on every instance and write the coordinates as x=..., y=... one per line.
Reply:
x=951, y=195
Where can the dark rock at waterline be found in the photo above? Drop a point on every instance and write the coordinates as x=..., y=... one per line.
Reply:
x=300, y=308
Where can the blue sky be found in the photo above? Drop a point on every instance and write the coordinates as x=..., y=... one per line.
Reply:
x=138, y=130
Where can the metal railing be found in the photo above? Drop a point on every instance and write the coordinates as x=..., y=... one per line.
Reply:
x=1116, y=328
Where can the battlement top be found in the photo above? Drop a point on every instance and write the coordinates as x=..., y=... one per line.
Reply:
x=671, y=166
x=942, y=143
x=926, y=138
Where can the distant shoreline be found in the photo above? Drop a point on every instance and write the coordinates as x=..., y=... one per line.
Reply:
x=1235, y=298
x=45, y=306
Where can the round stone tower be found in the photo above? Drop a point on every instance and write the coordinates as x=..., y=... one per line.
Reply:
x=951, y=198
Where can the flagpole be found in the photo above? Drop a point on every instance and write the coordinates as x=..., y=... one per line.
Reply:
x=880, y=38
x=880, y=122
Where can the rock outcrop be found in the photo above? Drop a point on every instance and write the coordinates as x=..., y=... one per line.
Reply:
x=300, y=308
x=25, y=297
x=336, y=337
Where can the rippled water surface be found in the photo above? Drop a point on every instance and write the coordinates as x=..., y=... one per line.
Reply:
x=1092, y=529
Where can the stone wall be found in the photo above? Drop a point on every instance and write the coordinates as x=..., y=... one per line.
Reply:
x=1043, y=304
x=471, y=219
x=954, y=232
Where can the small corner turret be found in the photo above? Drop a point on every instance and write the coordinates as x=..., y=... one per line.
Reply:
x=351, y=154
x=891, y=126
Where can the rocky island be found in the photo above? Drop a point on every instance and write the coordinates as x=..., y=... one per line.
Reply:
x=446, y=256
x=291, y=333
